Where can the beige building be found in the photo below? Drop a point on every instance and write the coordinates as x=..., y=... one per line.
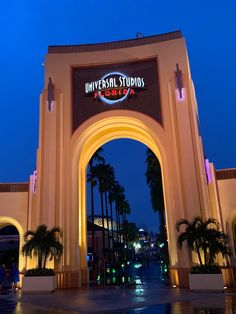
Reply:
x=139, y=89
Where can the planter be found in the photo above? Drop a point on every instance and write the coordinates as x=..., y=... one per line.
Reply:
x=210, y=282
x=39, y=284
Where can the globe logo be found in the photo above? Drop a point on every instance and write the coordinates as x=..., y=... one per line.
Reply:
x=119, y=94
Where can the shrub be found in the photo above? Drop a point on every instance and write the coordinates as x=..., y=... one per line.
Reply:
x=206, y=269
x=39, y=272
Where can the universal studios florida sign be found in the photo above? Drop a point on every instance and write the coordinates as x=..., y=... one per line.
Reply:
x=114, y=87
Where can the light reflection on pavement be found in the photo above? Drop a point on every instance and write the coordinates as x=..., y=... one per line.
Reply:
x=209, y=305
x=150, y=296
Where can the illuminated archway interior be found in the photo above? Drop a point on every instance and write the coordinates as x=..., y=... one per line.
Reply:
x=122, y=155
x=88, y=142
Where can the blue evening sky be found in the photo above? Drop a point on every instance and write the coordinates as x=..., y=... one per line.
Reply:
x=28, y=27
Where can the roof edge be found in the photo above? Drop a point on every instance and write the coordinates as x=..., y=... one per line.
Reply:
x=225, y=174
x=115, y=44
x=14, y=187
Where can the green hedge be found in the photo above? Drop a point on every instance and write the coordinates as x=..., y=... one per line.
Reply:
x=205, y=269
x=39, y=272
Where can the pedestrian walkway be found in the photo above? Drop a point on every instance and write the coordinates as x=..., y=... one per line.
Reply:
x=149, y=297
x=7, y=305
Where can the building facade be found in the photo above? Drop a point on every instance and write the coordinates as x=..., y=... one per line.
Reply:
x=139, y=89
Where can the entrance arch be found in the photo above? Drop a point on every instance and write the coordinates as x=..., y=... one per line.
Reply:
x=99, y=130
x=83, y=107
x=7, y=221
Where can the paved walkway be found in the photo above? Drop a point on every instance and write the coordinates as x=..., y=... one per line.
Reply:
x=162, y=300
x=111, y=300
x=149, y=297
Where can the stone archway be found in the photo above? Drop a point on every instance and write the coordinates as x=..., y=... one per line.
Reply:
x=87, y=139
x=230, y=230
x=5, y=221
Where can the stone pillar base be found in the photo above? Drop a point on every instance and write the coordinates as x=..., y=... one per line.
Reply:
x=68, y=279
x=229, y=276
x=179, y=277
x=72, y=279
x=84, y=276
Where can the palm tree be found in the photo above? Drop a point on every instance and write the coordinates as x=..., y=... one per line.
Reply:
x=204, y=236
x=131, y=231
x=104, y=173
x=111, y=199
x=99, y=172
x=214, y=241
x=124, y=211
x=206, y=228
x=109, y=178
x=110, y=191
x=154, y=181
x=96, y=158
x=43, y=243
x=118, y=197
x=217, y=244
x=191, y=235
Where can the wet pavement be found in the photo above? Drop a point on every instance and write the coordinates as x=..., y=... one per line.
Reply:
x=148, y=297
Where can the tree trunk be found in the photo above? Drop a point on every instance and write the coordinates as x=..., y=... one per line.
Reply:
x=39, y=258
x=119, y=226
x=103, y=231
x=45, y=260
x=118, y=232
x=205, y=256
x=198, y=254
x=162, y=219
x=92, y=213
x=124, y=235
x=112, y=230
x=211, y=259
x=108, y=231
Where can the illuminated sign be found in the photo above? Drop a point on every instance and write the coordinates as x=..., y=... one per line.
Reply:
x=119, y=86
x=114, y=87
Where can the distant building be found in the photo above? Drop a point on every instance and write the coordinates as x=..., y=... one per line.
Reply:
x=98, y=222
